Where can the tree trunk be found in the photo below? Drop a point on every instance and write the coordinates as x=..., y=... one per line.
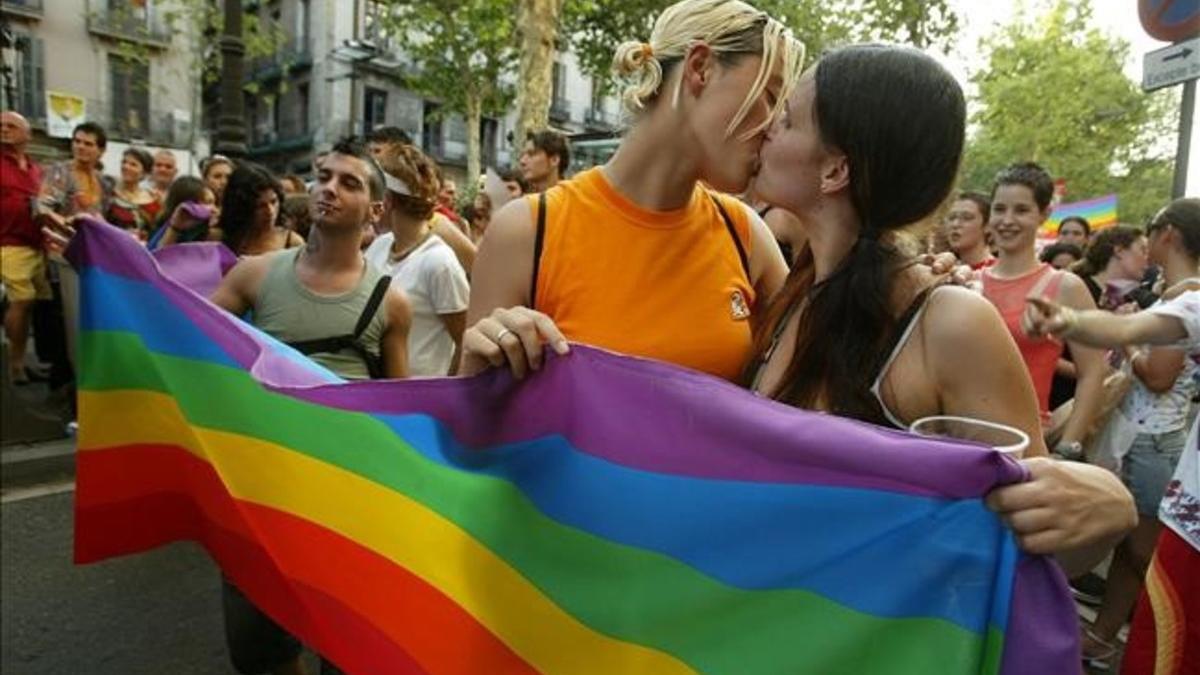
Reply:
x=538, y=22
x=474, y=119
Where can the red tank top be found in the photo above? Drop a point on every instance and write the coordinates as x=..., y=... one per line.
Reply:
x=1040, y=354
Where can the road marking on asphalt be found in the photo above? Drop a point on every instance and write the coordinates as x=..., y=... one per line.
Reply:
x=45, y=490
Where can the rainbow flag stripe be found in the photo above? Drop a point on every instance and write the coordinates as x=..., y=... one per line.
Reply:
x=610, y=515
x=1100, y=212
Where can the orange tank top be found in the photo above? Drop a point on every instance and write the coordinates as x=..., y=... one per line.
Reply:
x=1040, y=355
x=666, y=285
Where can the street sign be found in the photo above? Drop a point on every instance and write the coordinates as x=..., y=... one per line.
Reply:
x=1170, y=20
x=1171, y=65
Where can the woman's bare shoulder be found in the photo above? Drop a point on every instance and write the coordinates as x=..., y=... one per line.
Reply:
x=957, y=316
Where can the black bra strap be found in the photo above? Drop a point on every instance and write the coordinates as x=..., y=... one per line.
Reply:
x=737, y=241
x=539, y=241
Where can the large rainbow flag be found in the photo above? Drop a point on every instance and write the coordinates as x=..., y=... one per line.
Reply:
x=1100, y=212
x=609, y=515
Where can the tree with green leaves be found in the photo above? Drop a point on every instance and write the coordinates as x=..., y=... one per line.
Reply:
x=595, y=27
x=462, y=54
x=1053, y=92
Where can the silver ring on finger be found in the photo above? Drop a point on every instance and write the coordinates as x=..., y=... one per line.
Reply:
x=501, y=334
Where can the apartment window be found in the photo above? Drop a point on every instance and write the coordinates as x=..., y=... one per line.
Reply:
x=597, y=96
x=374, y=27
x=375, y=109
x=489, y=130
x=302, y=105
x=559, y=86
x=136, y=10
x=26, y=58
x=129, y=81
x=301, y=28
x=431, y=130
x=266, y=119
x=128, y=15
x=559, y=108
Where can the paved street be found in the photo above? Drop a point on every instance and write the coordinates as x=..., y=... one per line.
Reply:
x=158, y=612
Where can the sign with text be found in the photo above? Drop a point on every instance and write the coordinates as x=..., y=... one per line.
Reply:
x=63, y=113
x=1171, y=65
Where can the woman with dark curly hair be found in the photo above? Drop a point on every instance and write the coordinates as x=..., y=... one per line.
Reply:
x=133, y=208
x=250, y=213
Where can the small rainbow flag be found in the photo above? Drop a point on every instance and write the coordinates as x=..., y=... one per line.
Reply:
x=609, y=515
x=1100, y=212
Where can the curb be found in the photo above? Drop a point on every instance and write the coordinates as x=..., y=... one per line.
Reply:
x=26, y=465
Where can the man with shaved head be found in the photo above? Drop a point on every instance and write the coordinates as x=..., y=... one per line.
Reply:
x=22, y=258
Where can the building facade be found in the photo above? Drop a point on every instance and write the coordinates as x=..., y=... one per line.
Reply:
x=339, y=73
x=135, y=76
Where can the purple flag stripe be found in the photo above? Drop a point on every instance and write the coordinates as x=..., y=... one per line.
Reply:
x=631, y=427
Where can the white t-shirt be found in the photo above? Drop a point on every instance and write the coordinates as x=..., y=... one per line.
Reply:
x=1180, y=509
x=1160, y=413
x=435, y=284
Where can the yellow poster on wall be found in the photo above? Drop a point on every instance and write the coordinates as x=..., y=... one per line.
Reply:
x=63, y=113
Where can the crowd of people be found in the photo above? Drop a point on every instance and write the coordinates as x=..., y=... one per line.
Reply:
x=758, y=223
x=364, y=267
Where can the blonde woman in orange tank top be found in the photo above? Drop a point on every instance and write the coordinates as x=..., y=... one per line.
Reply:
x=644, y=255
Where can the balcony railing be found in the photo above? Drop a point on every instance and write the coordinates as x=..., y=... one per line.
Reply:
x=293, y=54
x=30, y=9
x=153, y=127
x=599, y=118
x=270, y=142
x=128, y=24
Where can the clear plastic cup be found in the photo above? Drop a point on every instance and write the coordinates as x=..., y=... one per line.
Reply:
x=1002, y=438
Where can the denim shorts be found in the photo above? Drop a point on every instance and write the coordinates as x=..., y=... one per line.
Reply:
x=1148, y=467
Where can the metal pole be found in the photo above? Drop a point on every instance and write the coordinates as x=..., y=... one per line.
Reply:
x=1186, y=111
x=231, y=125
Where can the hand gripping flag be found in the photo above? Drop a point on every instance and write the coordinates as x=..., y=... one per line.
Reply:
x=608, y=515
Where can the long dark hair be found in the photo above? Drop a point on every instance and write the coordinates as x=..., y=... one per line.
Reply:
x=247, y=182
x=1184, y=215
x=899, y=118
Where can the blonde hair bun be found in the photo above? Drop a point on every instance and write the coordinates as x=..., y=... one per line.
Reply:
x=635, y=63
x=730, y=28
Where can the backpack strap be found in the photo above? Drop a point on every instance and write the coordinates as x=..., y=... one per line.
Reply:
x=368, y=313
x=337, y=343
x=737, y=241
x=539, y=242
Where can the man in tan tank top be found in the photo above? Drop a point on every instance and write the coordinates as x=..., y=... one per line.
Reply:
x=329, y=270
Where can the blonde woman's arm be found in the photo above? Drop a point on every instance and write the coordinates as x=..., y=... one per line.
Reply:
x=503, y=331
